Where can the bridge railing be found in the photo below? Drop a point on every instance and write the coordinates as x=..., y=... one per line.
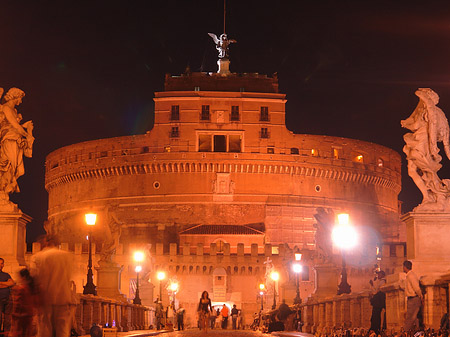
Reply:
x=108, y=312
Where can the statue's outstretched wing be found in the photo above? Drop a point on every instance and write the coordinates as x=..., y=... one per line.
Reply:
x=214, y=37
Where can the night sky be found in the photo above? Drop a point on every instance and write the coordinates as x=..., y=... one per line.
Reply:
x=90, y=68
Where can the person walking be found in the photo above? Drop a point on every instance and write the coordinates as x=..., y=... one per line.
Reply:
x=24, y=296
x=52, y=269
x=6, y=282
x=170, y=314
x=414, y=297
x=224, y=314
x=180, y=317
x=159, y=314
x=234, y=316
x=204, y=310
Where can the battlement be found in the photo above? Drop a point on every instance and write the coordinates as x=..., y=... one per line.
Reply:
x=197, y=81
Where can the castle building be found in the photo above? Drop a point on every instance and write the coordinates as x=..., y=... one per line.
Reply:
x=218, y=187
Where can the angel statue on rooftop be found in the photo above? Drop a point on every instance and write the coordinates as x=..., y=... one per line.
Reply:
x=222, y=45
x=16, y=141
x=429, y=126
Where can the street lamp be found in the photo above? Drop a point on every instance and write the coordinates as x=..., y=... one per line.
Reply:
x=344, y=236
x=261, y=294
x=89, y=288
x=275, y=277
x=173, y=289
x=160, y=276
x=297, y=268
x=138, y=257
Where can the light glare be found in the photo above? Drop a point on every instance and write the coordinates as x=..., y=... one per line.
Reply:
x=344, y=236
x=275, y=276
x=138, y=256
x=90, y=218
x=161, y=275
x=138, y=269
x=297, y=267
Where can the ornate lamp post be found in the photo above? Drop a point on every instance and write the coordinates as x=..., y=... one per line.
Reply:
x=261, y=294
x=138, y=258
x=344, y=236
x=90, y=288
x=275, y=277
x=160, y=276
x=297, y=268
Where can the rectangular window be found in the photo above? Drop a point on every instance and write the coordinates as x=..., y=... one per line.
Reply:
x=204, y=143
x=294, y=150
x=264, y=115
x=336, y=153
x=175, y=113
x=234, y=113
x=220, y=143
x=264, y=133
x=205, y=116
x=174, y=133
x=305, y=273
x=270, y=150
x=234, y=143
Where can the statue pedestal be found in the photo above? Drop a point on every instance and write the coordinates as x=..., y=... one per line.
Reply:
x=327, y=277
x=224, y=66
x=426, y=241
x=108, y=280
x=13, y=226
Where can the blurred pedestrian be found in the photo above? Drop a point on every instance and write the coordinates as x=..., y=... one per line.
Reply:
x=24, y=295
x=6, y=282
x=180, y=317
x=212, y=318
x=224, y=314
x=234, y=316
x=204, y=310
x=378, y=302
x=159, y=313
x=52, y=269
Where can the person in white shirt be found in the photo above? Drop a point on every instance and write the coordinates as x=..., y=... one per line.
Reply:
x=414, y=297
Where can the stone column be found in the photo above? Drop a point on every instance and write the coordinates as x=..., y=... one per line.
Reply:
x=395, y=306
x=308, y=318
x=366, y=310
x=329, y=314
x=13, y=223
x=345, y=312
x=355, y=311
x=336, y=313
x=88, y=310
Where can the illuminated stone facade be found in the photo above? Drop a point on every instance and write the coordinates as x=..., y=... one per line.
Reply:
x=220, y=155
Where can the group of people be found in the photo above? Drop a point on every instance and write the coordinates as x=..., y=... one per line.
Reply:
x=414, y=303
x=207, y=315
x=171, y=315
x=41, y=300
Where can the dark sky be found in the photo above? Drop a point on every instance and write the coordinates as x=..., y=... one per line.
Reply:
x=90, y=68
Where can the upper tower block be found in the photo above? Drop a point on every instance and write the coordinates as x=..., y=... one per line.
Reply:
x=215, y=82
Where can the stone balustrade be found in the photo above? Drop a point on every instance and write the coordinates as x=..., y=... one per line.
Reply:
x=124, y=316
x=354, y=310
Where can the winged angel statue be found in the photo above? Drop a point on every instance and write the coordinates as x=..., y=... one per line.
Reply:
x=16, y=141
x=429, y=126
x=222, y=45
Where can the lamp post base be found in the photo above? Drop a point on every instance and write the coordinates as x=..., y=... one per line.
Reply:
x=344, y=288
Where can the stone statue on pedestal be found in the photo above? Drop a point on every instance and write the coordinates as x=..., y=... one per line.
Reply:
x=16, y=141
x=429, y=126
x=324, y=227
x=113, y=230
